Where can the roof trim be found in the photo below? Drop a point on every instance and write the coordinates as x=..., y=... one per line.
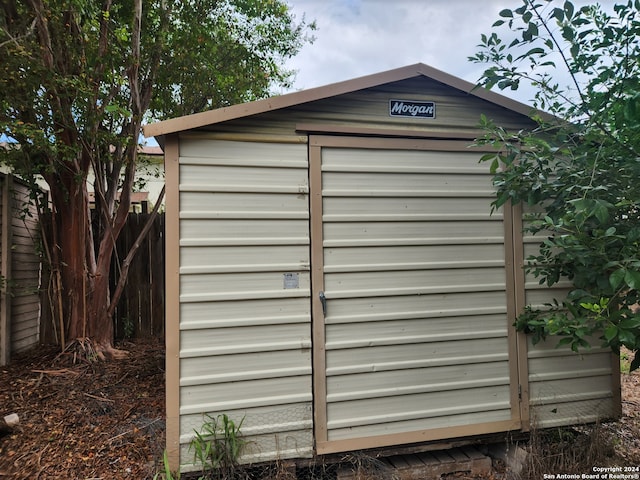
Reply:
x=197, y=120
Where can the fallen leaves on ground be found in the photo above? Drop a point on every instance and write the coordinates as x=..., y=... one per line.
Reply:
x=99, y=420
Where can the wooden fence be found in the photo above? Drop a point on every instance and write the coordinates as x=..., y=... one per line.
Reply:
x=140, y=311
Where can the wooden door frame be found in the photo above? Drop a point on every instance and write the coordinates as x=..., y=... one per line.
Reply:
x=318, y=340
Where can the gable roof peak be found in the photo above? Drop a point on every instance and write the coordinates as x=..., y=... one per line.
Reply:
x=232, y=112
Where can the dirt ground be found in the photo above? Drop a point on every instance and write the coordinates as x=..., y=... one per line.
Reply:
x=626, y=432
x=84, y=421
x=106, y=420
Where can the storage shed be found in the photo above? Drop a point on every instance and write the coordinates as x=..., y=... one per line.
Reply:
x=335, y=277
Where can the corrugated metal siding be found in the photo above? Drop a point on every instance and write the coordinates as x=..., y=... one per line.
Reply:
x=565, y=387
x=245, y=346
x=25, y=271
x=416, y=323
x=24, y=279
x=369, y=108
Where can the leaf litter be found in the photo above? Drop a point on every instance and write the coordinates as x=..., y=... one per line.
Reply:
x=97, y=420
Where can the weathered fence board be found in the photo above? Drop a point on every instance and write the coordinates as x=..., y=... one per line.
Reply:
x=140, y=312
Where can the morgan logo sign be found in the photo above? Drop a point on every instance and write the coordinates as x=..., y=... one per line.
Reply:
x=411, y=108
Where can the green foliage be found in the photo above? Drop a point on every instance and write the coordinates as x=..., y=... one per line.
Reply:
x=579, y=169
x=218, y=446
x=625, y=361
x=81, y=79
x=231, y=52
x=77, y=80
x=129, y=327
x=166, y=473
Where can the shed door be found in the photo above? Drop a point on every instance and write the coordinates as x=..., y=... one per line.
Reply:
x=411, y=310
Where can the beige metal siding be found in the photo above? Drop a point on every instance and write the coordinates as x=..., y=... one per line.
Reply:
x=566, y=388
x=20, y=320
x=416, y=330
x=245, y=344
x=456, y=112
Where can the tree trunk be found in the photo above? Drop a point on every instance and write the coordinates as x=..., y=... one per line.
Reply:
x=99, y=323
x=85, y=278
x=72, y=222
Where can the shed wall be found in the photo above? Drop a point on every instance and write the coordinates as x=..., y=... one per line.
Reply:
x=245, y=339
x=564, y=387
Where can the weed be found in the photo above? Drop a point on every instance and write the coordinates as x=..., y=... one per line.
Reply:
x=625, y=360
x=218, y=446
x=566, y=450
x=128, y=327
x=278, y=470
x=166, y=473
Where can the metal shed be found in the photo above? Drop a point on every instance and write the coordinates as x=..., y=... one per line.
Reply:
x=335, y=278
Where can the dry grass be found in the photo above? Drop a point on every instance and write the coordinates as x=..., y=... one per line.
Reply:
x=567, y=451
x=359, y=466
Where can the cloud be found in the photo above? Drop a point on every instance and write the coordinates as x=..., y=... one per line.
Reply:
x=359, y=37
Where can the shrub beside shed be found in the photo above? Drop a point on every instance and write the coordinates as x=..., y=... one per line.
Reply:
x=335, y=278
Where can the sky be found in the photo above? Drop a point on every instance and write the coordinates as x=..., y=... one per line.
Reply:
x=361, y=37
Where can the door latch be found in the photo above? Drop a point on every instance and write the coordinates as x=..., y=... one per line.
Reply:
x=323, y=302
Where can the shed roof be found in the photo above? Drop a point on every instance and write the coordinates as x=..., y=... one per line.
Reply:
x=210, y=117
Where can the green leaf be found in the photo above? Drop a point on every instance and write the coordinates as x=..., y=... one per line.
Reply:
x=601, y=212
x=616, y=278
x=534, y=51
x=558, y=13
x=530, y=32
x=487, y=156
x=610, y=332
x=506, y=13
x=626, y=337
x=568, y=33
x=495, y=165
x=632, y=279
x=564, y=341
x=630, y=323
x=568, y=10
